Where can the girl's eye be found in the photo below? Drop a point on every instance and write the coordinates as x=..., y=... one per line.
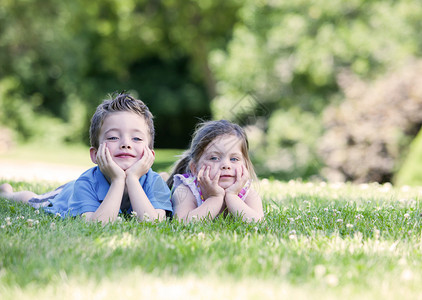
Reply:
x=137, y=139
x=112, y=138
x=234, y=159
x=213, y=158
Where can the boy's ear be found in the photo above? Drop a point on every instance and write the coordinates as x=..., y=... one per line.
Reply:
x=93, y=153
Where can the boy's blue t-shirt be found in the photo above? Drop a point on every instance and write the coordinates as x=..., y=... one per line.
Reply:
x=86, y=193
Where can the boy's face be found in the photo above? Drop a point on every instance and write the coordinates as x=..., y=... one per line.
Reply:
x=223, y=153
x=126, y=136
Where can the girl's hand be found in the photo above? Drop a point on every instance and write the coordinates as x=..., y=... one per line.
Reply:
x=242, y=176
x=141, y=167
x=209, y=186
x=107, y=165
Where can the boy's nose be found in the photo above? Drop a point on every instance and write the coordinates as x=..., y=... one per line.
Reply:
x=125, y=145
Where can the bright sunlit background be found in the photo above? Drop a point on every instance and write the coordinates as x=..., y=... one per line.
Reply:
x=327, y=90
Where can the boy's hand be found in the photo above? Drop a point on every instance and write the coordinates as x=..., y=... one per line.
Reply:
x=209, y=186
x=107, y=165
x=141, y=167
x=242, y=176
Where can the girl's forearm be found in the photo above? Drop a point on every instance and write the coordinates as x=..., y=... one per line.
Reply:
x=210, y=208
x=237, y=206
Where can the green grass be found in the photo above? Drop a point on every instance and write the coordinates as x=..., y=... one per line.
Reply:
x=319, y=241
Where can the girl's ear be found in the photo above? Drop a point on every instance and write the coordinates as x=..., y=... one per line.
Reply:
x=192, y=168
x=93, y=153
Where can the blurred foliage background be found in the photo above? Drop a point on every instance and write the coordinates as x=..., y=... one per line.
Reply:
x=325, y=89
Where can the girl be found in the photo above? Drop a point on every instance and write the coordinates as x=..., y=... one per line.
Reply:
x=215, y=174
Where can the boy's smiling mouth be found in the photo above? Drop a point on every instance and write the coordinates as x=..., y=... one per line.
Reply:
x=125, y=155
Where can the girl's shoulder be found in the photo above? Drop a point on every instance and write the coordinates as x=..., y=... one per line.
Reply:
x=182, y=193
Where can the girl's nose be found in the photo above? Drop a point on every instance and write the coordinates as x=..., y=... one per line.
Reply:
x=225, y=165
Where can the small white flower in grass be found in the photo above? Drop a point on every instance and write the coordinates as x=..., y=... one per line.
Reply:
x=326, y=209
x=292, y=235
x=350, y=226
x=201, y=235
x=405, y=188
x=298, y=218
x=119, y=219
x=406, y=275
x=30, y=222
x=36, y=222
x=359, y=216
x=319, y=271
x=52, y=225
x=3, y=226
x=406, y=216
x=363, y=186
x=402, y=261
x=133, y=214
x=37, y=211
x=331, y=280
x=315, y=218
x=8, y=221
x=376, y=234
x=339, y=221
x=58, y=215
x=146, y=217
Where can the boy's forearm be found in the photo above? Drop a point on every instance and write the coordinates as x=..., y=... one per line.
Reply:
x=140, y=202
x=110, y=207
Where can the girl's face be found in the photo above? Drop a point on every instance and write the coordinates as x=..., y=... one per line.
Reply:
x=126, y=136
x=223, y=153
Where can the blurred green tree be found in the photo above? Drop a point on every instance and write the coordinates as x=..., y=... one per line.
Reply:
x=64, y=57
x=288, y=54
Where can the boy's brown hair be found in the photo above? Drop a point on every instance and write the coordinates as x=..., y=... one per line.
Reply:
x=122, y=102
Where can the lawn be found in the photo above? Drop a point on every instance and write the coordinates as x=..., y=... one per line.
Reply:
x=319, y=241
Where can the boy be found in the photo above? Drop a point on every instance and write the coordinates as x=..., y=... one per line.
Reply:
x=122, y=139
